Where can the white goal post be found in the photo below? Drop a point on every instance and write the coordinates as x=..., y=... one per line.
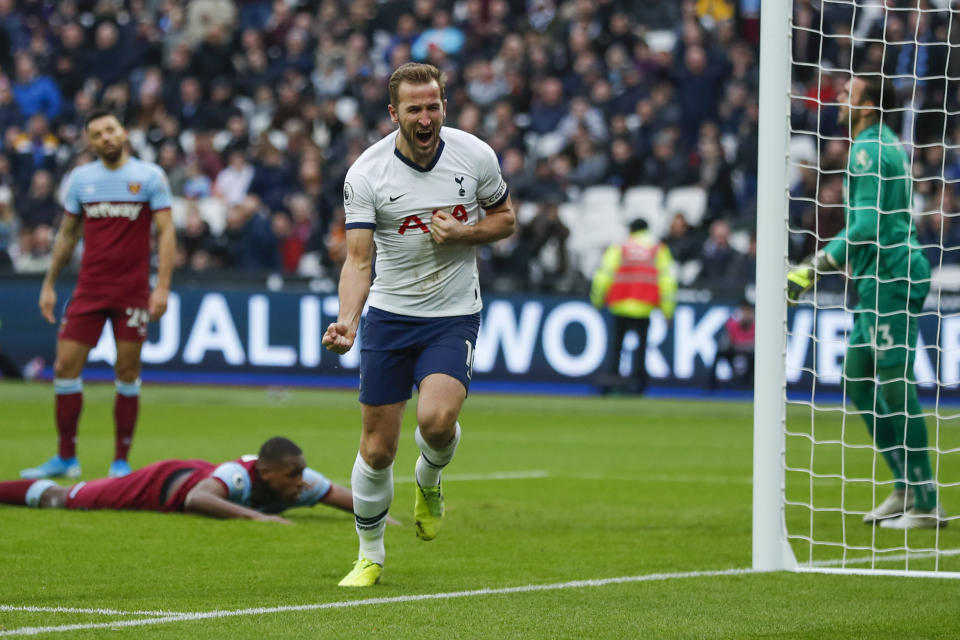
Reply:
x=816, y=470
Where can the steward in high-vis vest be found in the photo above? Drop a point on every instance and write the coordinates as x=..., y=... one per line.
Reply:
x=634, y=278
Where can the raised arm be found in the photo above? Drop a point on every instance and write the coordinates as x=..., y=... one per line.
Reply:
x=498, y=223
x=353, y=291
x=71, y=229
x=209, y=498
x=166, y=252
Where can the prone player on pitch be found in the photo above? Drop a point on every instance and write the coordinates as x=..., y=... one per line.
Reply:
x=427, y=195
x=111, y=203
x=892, y=277
x=253, y=487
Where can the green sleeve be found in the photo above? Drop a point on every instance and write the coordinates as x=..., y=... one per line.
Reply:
x=837, y=248
x=603, y=278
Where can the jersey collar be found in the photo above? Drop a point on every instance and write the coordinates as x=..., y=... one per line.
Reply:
x=413, y=165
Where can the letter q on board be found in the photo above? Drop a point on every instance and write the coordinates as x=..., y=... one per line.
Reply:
x=347, y=193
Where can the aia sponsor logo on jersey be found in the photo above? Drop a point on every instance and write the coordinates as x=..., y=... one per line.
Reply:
x=134, y=187
x=414, y=222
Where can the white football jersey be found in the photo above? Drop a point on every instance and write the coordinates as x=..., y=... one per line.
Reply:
x=388, y=193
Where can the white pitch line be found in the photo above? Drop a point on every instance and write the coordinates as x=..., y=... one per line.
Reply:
x=208, y=615
x=880, y=557
x=469, y=477
x=96, y=612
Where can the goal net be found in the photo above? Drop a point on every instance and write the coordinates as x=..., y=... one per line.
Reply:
x=857, y=425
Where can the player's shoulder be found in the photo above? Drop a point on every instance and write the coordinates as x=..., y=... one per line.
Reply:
x=86, y=171
x=374, y=156
x=463, y=141
x=151, y=169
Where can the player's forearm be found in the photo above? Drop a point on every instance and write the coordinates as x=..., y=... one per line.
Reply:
x=493, y=227
x=353, y=291
x=63, y=248
x=339, y=497
x=207, y=504
x=166, y=254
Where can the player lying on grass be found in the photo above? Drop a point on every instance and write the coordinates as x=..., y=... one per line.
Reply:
x=253, y=487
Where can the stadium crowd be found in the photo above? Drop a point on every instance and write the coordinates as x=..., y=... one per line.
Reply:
x=256, y=110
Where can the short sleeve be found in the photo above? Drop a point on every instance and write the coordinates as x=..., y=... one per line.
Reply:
x=235, y=477
x=317, y=486
x=491, y=189
x=71, y=195
x=160, y=195
x=358, y=202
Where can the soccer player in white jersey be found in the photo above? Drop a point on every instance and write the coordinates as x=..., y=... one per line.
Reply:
x=426, y=196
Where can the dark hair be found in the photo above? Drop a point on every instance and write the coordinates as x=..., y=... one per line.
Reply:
x=276, y=449
x=98, y=113
x=638, y=224
x=880, y=91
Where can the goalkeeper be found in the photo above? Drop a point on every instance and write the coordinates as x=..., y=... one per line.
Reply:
x=892, y=277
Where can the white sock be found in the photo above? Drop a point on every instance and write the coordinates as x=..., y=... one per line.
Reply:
x=372, y=494
x=432, y=461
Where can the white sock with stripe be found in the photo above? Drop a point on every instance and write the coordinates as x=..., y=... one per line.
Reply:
x=432, y=461
x=372, y=494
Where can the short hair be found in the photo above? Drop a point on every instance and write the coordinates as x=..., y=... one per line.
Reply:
x=880, y=90
x=276, y=449
x=416, y=73
x=638, y=224
x=98, y=113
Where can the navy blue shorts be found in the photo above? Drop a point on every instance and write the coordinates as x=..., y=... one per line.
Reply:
x=398, y=352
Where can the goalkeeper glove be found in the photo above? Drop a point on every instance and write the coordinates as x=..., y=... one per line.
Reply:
x=802, y=277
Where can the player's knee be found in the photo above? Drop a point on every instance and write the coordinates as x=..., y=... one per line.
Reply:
x=378, y=453
x=64, y=368
x=437, y=425
x=127, y=372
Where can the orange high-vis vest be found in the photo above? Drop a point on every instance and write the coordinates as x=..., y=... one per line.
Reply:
x=637, y=278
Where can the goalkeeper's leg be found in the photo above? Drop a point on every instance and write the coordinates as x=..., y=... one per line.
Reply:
x=861, y=388
x=900, y=393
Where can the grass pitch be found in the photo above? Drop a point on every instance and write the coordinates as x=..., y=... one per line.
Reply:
x=544, y=492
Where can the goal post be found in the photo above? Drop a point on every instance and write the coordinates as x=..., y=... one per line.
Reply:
x=817, y=470
x=771, y=550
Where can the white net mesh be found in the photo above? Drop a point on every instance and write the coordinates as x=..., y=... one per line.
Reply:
x=836, y=471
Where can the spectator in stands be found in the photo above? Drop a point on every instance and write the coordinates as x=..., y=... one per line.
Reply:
x=935, y=229
x=626, y=168
x=8, y=228
x=272, y=177
x=36, y=250
x=170, y=160
x=34, y=149
x=40, y=207
x=714, y=176
x=35, y=93
x=666, y=167
x=717, y=254
x=634, y=278
x=194, y=238
x=543, y=245
x=547, y=108
x=10, y=116
x=109, y=62
x=736, y=346
x=233, y=181
x=683, y=242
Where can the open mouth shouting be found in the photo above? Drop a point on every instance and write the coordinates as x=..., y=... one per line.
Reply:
x=424, y=137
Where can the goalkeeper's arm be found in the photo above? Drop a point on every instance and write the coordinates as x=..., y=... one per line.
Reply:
x=805, y=275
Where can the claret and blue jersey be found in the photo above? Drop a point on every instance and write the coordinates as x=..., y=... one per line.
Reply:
x=238, y=477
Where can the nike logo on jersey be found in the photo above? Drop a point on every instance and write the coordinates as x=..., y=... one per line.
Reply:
x=394, y=198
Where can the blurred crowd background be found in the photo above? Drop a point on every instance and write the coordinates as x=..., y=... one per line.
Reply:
x=601, y=111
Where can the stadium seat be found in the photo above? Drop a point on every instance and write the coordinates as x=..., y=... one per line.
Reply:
x=688, y=271
x=526, y=212
x=740, y=240
x=214, y=213
x=178, y=211
x=601, y=197
x=803, y=152
x=689, y=201
x=646, y=203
